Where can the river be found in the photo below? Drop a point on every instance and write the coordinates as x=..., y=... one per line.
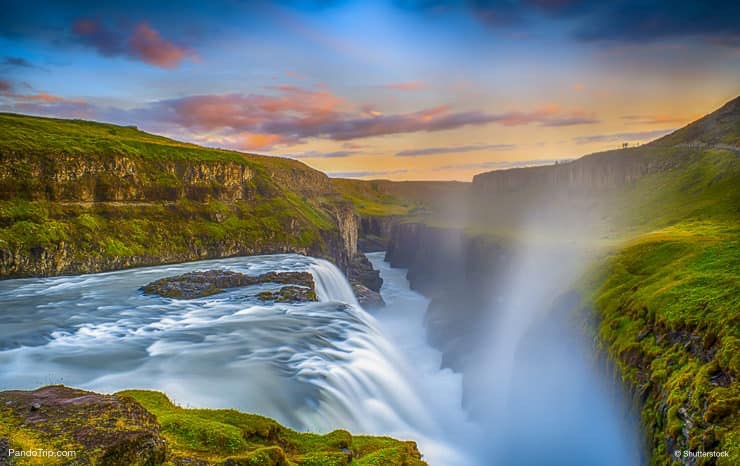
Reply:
x=315, y=366
x=312, y=366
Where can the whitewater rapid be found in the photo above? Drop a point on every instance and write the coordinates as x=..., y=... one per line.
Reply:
x=313, y=366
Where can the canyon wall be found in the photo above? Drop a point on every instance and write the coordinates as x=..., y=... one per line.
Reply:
x=70, y=213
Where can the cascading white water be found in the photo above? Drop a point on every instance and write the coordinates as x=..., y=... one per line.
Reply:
x=331, y=285
x=314, y=366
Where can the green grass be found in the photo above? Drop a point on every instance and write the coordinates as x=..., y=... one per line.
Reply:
x=219, y=435
x=668, y=315
x=667, y=300
x=61, y=204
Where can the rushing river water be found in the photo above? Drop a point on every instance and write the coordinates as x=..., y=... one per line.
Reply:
x=313, y=366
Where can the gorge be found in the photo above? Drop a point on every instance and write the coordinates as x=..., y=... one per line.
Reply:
x=588, y=306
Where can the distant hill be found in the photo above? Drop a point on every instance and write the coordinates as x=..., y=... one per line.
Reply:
x=719, y=128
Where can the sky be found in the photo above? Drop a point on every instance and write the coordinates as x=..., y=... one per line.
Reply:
x=378, y=89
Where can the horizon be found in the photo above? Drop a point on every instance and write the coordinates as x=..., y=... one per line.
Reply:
x=382, y=90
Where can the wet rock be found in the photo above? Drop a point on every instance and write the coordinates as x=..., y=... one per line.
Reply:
x=367, y=298
x=361, y=271
x=289, y=294
x=205, y=283
x=105, y=429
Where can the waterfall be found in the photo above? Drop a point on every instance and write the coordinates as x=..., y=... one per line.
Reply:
x=314, y=366
x=331, y=284
x=365, y=385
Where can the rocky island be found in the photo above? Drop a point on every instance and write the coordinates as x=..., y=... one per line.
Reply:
x=205, y=283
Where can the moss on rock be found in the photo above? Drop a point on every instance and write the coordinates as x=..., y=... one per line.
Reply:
x=141, y=427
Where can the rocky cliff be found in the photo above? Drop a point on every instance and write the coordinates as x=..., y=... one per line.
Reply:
x=460, y=273
x=137, y=427
x=78, y=197
x=597, y=172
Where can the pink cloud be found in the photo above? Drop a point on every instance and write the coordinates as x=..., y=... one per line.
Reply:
x=148, y=45
x=296, y=114
x=144, y=43
x=407, y=86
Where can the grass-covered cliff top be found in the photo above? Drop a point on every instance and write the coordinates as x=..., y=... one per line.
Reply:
x=80, y=196
x=400, y=198
x=30, y=134
x=139, y=427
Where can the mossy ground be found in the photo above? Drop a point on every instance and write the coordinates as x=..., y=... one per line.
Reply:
x=220, y=435
x=667, y=300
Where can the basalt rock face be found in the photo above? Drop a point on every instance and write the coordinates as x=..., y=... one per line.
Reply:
x=597, y=172
x=190, y=207
x=99, y=429
x=375, y=232
x=119, y=178
x=459, y=273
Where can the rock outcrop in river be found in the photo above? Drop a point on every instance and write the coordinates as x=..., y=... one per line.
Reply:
x=209, y=282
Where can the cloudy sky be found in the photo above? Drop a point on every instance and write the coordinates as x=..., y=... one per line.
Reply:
x=397, y=89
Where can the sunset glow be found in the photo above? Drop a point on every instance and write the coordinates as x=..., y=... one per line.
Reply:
x=398, y=90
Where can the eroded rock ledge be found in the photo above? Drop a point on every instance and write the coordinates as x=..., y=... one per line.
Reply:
x=205, y=283
x=141, y=427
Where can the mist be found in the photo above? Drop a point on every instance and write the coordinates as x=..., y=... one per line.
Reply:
x=535, y=381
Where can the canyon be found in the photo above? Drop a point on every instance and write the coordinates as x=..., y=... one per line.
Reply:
x=635, y=248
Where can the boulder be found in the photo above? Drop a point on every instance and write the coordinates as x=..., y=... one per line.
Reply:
x=368, y=299
x=101, y=429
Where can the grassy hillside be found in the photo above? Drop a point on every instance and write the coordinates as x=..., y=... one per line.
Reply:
x=79, y=196
x=668, y=303
x=416, y=199
x=216, y=435
x=139, y=427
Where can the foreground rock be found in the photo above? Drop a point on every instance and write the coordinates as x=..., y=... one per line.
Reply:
x=100, y=429
x=139, y=427
x=205, y=283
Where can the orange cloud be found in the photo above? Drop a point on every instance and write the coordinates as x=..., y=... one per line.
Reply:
x=660, y=119
x=257, y=141
x=43, y=97
x=147, y=44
